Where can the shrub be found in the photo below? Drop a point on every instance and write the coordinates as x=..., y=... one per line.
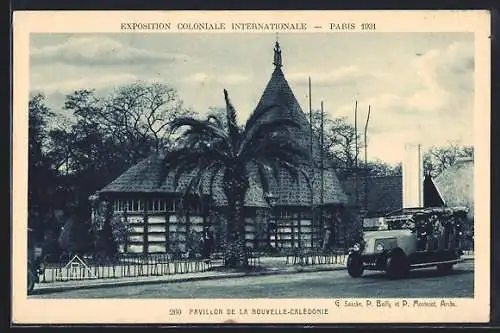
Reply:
x=75, y=237
x=120, y=230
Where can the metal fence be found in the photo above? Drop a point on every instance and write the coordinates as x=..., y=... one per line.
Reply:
x=253, y=257
x=85, y=268
x=316, y=257
x=468, y=252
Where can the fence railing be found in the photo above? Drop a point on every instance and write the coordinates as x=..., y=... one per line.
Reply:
x=468, y=252
x=84, y=268
x=253, y=257
x=316, y=257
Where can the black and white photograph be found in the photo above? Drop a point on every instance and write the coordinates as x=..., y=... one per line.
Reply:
x=265, y=163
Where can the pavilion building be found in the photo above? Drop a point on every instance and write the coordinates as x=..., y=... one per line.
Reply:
x=296, y=214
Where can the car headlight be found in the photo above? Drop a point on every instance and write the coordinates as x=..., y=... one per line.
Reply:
x=379, y=247
x=356, y=247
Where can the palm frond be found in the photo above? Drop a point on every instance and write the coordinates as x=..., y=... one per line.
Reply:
x=198, y=126
x=215, y=172
x=278, y=146
x=232, y=123
x=265, y=129
x=307, y=178
x=193, y=186
x=283, y=156
x=291, y=169
x=262, y=169
x=188, y=165
x=213, y=118
x=171, y=161
x=202, y=140
x=275, y=167
x=258, y=113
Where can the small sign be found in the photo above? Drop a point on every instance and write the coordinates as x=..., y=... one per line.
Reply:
x=76, y=269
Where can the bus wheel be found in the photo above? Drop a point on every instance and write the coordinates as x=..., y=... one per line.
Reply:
x=397, y=266
x=355, y=266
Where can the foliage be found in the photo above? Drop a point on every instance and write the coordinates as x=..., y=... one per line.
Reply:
x=380, y=168
x=39, y=168
x=104, y=243
x=110, y=230
x=339, y=140
x=209, y=149
x=193, y=243
x=51, y=249
x=75, y=237
x=188, y=248
x=72, y=157
x=120, y=229
x=438, y=158
x=340, y=146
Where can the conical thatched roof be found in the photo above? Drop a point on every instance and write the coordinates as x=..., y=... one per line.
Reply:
x=456, y=185
x=278, y=92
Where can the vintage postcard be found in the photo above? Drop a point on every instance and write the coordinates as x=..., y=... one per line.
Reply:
x=251, y=167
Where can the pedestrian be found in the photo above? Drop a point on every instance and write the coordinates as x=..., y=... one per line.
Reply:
x=206, y=243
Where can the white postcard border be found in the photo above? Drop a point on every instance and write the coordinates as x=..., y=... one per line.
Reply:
x=26, y=310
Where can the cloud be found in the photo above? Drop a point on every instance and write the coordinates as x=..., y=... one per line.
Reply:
x=450, y=69
x=86, y=82
x=100, y=51
x=438, y=111
x=339, y=76
x=204, y=78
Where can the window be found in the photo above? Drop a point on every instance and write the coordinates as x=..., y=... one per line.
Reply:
x=157, y=205
x=161, y=205
x=172, y=205
x=169, y=205
x=129, y=205
x=285, y=213
x=118, y=206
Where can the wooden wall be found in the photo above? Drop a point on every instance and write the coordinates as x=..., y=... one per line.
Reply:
x=158, y=228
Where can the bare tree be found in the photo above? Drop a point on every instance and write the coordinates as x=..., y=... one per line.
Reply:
x=339, y=141
x=142, y=112
x=438, y=158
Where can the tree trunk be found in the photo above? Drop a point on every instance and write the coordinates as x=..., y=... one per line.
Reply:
x=236, y=254
x=236, y=186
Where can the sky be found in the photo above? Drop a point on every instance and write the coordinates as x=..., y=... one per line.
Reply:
x=419, y=86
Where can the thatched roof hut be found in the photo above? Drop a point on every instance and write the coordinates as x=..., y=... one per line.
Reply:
x=145, y=176
x=456, y=185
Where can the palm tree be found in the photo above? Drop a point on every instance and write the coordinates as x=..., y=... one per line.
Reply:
x=219, y=147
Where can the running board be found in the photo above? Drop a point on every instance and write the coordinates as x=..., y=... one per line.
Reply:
x=429, y=264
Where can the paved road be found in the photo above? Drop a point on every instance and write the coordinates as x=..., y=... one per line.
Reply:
x=421, y=283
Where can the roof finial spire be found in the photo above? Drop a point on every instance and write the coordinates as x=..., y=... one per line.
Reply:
x=277, y=53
